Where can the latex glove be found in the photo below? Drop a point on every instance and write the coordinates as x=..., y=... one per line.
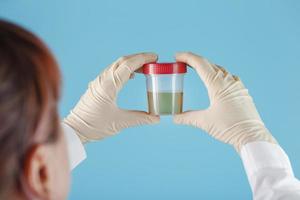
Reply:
x=232, y=116
x=97, y=115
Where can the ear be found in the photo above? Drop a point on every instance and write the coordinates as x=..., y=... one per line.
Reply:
x=37, y=172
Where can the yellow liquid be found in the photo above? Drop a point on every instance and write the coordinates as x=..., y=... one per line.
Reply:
x=165, y=103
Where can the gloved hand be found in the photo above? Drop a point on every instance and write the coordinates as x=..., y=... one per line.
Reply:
x=232, y=116
x=97, y=115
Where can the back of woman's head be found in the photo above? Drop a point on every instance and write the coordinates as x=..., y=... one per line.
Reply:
x=29, y=91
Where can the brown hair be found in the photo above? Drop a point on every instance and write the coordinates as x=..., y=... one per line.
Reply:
x=29, y=89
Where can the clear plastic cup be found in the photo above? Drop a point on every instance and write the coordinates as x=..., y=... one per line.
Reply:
x=164, y=87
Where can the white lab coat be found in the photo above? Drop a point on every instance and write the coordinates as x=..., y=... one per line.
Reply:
x=267, y=166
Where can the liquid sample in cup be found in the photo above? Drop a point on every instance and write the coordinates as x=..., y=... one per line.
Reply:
x=165, y=103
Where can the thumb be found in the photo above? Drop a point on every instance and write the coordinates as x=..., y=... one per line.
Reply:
x=193, y=117
x=136, y=118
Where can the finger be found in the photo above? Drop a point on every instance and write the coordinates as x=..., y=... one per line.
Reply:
x=132, y=63
x=124, y=58
x=226, y=76
x=223, y=70
x=140, y=70
x=116, y=75
x=216, y=67
x=194, y=118
x=236, y=78
x=136, y=118
x=203, y=67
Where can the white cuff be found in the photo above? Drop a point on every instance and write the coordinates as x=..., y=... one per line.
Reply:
x=76, y=149
x=262, y=155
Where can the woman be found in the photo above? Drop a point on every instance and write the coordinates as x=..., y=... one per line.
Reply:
x=33, y=154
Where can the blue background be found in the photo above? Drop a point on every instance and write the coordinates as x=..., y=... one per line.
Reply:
x=259, y=40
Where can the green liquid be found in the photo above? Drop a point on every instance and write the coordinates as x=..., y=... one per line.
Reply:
x=165, y=103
